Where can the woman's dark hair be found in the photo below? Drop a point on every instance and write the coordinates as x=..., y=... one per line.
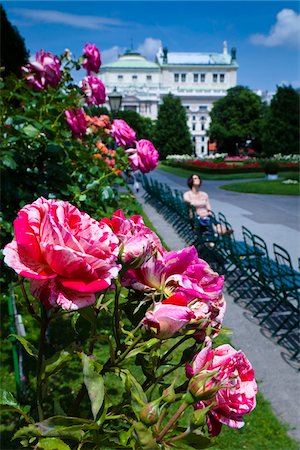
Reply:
x=190, y=180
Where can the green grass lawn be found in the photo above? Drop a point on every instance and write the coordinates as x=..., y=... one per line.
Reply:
x=263, y=187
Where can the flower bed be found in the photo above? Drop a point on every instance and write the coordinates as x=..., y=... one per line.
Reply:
x=229, y=168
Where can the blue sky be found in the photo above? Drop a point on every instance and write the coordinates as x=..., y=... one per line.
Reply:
x=266, y=34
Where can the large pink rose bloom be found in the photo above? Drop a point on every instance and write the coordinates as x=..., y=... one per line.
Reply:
x=67, y=255
x=77, y=122
x=43, y=72
x=123, y=134
x=137, y=242
x=144, y=157
x=94, y=90
x=234, y=381
x=92, y=61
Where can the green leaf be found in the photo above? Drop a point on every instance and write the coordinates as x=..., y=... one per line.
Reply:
x=52, y=444
x=56, y=362
x=143, y=347
x=94, y=383
x=198, y=441
x=135, y=390
x=58, y=426
x=82, y=197
x=8, y=161
x=145, y=437
x=31, y=131
x=106, y=193
x=9, y=403
x=88, y=314
x=54, y=148
x=30, y=349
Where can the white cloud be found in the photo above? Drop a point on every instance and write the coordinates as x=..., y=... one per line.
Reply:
x=111, y=54
x=149, y=47
x=285, y=32
x=73, y=20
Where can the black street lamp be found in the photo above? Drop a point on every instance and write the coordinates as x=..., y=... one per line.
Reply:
x=115, y=100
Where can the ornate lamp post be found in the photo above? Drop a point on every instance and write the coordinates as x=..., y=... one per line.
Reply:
x=115, y=100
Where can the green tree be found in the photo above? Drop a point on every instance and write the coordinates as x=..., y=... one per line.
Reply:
x=235, y=119
x=172, y=135
x=13, y=51
x=281, y=133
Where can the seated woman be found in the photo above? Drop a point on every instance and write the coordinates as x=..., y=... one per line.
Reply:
x=201, y=203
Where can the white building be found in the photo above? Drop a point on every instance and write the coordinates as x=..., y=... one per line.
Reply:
x=198, y=79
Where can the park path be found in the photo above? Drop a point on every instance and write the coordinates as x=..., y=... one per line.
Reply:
x=278, y=381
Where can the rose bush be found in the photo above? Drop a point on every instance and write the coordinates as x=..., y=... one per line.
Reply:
x=68, y=258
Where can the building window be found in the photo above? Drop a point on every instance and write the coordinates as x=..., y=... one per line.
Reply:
x=196, y=78
x=202, y=126
x=193, y=126
x=202, y=77
x=134, y=77
x=194, y=117
x=203, y=118
x=183, y=77
x=203, y=107
x=222, y=77
x=176, y=77
x=120, y=77
x=149, y=77
x=187, y=107
x=202, y=148
x=130, y=108
x=203, y=139
x=215, y=77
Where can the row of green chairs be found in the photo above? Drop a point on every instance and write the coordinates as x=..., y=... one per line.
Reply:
x=269, y=287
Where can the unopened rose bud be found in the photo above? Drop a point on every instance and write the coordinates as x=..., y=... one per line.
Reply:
x=169, y=395
x=197, y=385
x=150, y=413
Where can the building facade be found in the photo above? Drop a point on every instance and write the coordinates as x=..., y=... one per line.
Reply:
x=198, y=79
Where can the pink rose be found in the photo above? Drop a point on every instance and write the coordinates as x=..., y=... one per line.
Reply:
x=94, y=90
x=77, y=122
x=168, y=317
x=43, y=72
x=144, y=157
x=232, y=377
x=123, y=134
x=137, y=242
x=184, y=272
x=67, y=255
x=92, y=61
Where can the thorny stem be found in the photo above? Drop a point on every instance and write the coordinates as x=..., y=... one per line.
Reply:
x=39, y=380
x=128, y=350
x=172, y=421
x=28, y=304
x=116, y=318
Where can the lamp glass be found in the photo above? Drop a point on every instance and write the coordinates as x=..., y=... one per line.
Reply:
x=115, y=100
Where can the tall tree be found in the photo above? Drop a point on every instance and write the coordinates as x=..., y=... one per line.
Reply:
x=172, y=135
x=13, y=52
x=236, y=118
x=281, y=132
